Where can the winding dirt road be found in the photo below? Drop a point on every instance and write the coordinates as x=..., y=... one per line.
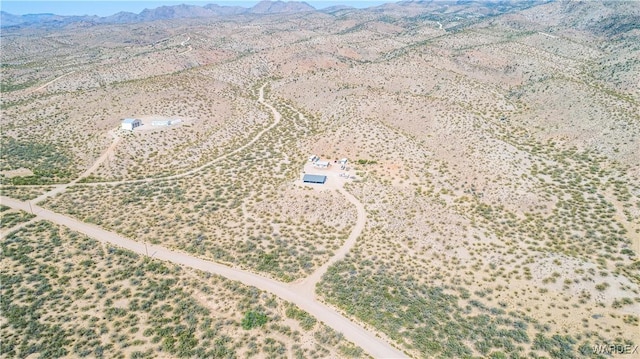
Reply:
x=61, y=188
x=276, y=116
x=361, y=337
x=50, y=82
x=308, y=285
x=301, y=293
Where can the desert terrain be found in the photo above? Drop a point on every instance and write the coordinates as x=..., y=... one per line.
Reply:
x=491, y=207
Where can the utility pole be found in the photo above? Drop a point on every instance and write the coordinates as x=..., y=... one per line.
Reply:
x=145, y=249
x=30, y=208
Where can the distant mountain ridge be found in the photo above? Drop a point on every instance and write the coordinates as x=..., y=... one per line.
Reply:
x=276, y=7
x=160, y=13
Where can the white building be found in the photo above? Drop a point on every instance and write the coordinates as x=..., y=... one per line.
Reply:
x=130, y=123
x=321, y=164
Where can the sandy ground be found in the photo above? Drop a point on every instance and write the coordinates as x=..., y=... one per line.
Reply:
x=368, y=341
x=301, y=293
x=452, y=99
x=99, y=161
x=52, y=81
x=147, y=122
x=109, y=153
x=277, y=118
x=308, y=285
x=334, y=182
x=20, y=172
x=6, y=232
x=336, y=177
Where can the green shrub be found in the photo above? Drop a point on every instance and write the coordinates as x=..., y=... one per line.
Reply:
x=253, y=319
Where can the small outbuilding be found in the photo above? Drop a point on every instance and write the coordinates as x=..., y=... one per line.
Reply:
x=321, y=164
x=319, y=179
x=130, y=123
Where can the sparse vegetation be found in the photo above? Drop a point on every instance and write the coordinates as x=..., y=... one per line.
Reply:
x=494, y=148
x=10, y=218
x=90, y=300
x=48, y=162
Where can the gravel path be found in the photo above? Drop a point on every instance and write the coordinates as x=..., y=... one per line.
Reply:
x=96, y=164
x=361, y=337
x=52, y=81
x=308, y=284
x=276, y=116
x=301, y=293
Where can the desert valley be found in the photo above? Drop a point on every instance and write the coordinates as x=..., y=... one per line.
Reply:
x=415, y=179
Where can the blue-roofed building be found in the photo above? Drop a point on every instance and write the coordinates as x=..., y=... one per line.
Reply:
x=319, y=179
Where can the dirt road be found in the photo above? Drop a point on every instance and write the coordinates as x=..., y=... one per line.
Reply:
x=276, y=116
x=52, y=81
x=308, y=284
x=109, y=151
x=96, y=164
x=301, y=293
x=302, y=298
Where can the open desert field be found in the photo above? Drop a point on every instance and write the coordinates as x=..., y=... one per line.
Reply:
x=67, y=295
x=489, y=207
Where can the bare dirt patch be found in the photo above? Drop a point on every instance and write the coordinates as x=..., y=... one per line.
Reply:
x=20, y=172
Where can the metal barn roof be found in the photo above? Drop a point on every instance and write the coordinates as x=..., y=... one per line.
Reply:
x=129, y=120
x=307, y=178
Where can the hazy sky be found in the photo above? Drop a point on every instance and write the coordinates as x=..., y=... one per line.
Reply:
x=105, y=8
